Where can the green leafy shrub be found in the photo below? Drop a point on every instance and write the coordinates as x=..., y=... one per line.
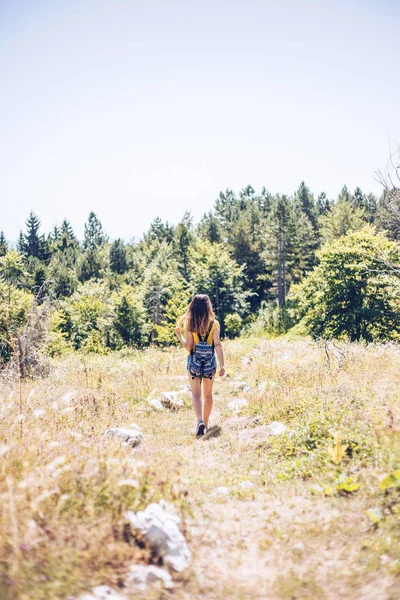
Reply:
x=233, y=324
x=352, y=293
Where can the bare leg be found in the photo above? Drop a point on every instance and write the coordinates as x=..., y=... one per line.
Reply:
x=195, y=386
x=208, y=399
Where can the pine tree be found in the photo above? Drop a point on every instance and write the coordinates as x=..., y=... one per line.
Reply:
x=388, y=213
x=359, y=199
x=118, y=260
x=245, y=247
x=91, y=265
x=371, y=206
x=129, y=320
x=366, y=203
x=67, y=237
x=342, y=218
x=21, y=245
x=345, y=195
x=183, y=240
x=306, y=203
x=264, y=202
x=159, y=231
x=323, y=204
x=55, y=234
x=209, y=228
x=33, y=242
x=3, y=244
x=94, y=233
x=227, y=210
x=278, y=251
x=62, y=273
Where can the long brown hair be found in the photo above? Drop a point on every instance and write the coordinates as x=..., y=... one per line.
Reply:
x=199, y=314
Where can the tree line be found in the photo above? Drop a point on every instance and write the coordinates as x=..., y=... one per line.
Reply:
x=252, y=253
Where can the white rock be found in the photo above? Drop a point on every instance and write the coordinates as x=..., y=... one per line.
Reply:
x=128, y=483
x=156, y=405
x=141, y=576
x=171, y=400
x=263, y=385
x=242, y=386
x=299, y=547
x=102, y=592
x=131, y=436
x=4, y=449
x=66, y=398
x=236, y=405
x=222, y=491
x=135, y=427
x=159, y=526
x=276, y=428
x=38, y=412
x=247, y=484
x=185, y=390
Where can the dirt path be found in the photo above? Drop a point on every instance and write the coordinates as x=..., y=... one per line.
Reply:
x=250, y=539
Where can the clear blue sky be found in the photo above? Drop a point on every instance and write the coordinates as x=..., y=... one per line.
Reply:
x=138, y=109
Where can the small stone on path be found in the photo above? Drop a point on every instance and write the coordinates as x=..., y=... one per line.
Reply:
x=237, y=405
x=132, y=437
x=156, y=405
x=277, y=428
x=102, y=592
x=171, y=400
x=246, y=484
x=222, y=491
x=141, y=576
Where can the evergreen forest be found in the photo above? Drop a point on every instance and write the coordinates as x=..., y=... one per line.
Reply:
x=316, y=266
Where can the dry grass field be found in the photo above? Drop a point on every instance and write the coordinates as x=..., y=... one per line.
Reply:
x=303, y=514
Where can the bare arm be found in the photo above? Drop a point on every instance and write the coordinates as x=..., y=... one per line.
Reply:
x=220, y=352
x=186, y=343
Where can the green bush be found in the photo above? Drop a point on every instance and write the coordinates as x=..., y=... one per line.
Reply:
x=352, y=293
x=233, y=324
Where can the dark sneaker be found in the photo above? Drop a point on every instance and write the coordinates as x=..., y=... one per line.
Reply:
x=201, y=428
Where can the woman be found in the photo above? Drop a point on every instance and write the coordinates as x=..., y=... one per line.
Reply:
x=202, y=337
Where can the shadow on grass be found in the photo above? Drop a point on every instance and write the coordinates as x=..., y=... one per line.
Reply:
x=213, y=432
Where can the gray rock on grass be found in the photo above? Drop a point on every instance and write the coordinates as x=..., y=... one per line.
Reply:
x=156, y=405
x=132, y=436
x=158, y=524
x=240, y=386
x=141, y=576
x=171, y=400
x=103, y=592
x=236, y=405
x=276, y=428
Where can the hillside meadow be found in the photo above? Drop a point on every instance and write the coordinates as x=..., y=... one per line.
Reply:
x=309, y=513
